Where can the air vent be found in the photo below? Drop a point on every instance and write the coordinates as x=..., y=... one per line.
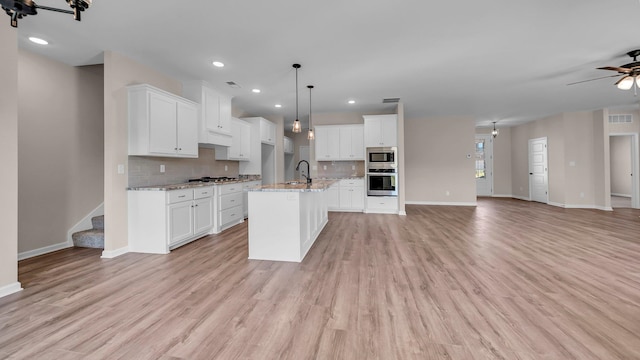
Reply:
x=390, y=100
x=233, y=84
x=621, y=119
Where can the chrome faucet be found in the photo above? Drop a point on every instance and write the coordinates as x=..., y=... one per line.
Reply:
x=308, y=170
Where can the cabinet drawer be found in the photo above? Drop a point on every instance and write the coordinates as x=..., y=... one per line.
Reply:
x=179, y=195
x=230, y=189
x=202, y=192
x=250, y=184
x=352, y=182
x=230, y=215
x=230, y=200
x=382, y=203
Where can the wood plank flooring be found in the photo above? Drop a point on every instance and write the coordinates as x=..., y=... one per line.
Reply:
x=506, y=280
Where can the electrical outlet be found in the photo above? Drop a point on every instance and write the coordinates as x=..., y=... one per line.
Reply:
x=120, y=168
x=353, y=167
x=324, y=167
x=162, y=169
x=447, y=193
x=226, y=168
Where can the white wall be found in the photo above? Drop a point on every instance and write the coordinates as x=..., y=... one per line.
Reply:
x=9, y=160
x=60, y=148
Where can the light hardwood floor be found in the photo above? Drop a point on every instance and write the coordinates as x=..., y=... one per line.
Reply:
x=506, y=280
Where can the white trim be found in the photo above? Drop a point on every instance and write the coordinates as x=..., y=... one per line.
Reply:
x=621, y=195
x=10, y=289
x=110, y=254
x=502, y=195
x=85, y=223
x=402, y=213
x=521, y=198
x=474, y=203
x=580, y=206
x=43, y=250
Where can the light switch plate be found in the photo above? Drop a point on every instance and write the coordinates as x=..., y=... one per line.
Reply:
x=120, y=168
x=162, y=168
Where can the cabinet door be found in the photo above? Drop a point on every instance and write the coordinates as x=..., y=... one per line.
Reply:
x=327, y=143
x=202, y=215
x=267, y=132
x=333, y=197
x=224, y=116
x=210, y=110
x=389, y=132
x=180, y=221
x=357, y=198
x=345, y=143
x=187, y=133
x=357, y=142
x=345, y=197
x=372, y=130
x=236, y=142
x=162, y=124
x=245, y=144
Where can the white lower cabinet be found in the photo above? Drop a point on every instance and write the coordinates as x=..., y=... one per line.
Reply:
x=163, y=220
x=245, y=195
x=229, y=207
x=346, y=195
x=382, y=204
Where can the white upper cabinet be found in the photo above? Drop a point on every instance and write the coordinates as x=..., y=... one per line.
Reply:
x=214, y=122
x=381, y=130
x=339, y=142
x=327, y=140
x=241, y=144
x=267, y=132
x=352, y=142
x=161, y=123
x=288, y=146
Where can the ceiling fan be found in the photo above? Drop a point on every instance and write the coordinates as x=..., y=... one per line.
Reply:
x=630, y=73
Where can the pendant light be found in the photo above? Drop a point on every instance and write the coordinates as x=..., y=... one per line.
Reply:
x=310, y=135
x=494, y=132
x=296, y=124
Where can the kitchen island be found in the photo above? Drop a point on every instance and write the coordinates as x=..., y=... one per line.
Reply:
x=286, y=219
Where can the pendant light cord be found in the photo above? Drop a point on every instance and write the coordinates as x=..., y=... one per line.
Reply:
x=296, y=93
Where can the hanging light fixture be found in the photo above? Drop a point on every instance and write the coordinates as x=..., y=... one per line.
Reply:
x=310, y=135
x=625, y=83
x=296, y=124
x=494, y=132
x=17, y=9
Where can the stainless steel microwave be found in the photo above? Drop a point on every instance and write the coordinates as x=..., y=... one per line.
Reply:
x=382, y=157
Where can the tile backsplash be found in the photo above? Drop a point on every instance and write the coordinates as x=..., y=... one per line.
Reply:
x=339, y=169
x=145, y=171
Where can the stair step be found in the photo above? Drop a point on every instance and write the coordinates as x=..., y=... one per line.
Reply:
x=93, y=238
x=98, y=222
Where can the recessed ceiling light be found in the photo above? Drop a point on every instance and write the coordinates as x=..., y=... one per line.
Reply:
x=39, y=41
x=351, y=101
x=218, y=64
x=278, y=105
x=257, y=91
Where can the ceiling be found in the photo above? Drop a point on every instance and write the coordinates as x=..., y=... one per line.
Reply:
x=498, y=60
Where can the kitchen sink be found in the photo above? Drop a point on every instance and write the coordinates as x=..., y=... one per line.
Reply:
x=294, y=182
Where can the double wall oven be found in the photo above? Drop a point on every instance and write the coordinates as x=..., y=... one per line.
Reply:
x=382, y=175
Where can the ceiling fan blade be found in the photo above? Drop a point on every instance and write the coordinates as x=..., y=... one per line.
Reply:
x=615, y=68
x=603, y=77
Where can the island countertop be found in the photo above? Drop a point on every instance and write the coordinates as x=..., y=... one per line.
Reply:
x=315, y=186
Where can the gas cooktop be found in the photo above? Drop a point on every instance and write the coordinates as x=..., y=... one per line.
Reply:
x=218, y=179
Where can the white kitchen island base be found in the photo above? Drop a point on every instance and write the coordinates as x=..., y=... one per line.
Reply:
x=283, y=225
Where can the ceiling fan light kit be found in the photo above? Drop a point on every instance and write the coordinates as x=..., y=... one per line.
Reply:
x=17, y=9
x=630, y=71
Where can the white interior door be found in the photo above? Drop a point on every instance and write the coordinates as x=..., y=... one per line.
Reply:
x=632, y=170
x=484, y=165
x=538, y=170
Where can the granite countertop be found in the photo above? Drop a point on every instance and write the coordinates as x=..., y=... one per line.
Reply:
x=187, y=185
x=316, y=186
x=342, y=178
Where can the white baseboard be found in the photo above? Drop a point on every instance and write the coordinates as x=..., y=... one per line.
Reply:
x=43, y=250
x=521, y=198
x=10, y=289
x=582, y=206
x=474, y=203
x=621, y=195
x=85, y=223
x=502, y=195
x=110, y=254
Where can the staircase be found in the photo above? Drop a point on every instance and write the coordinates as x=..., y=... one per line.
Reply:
x=92, y=238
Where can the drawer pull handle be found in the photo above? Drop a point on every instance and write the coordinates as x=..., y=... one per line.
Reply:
x=233, y=201
x=181, y=196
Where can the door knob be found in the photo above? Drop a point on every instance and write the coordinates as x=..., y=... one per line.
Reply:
x=530, y=173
